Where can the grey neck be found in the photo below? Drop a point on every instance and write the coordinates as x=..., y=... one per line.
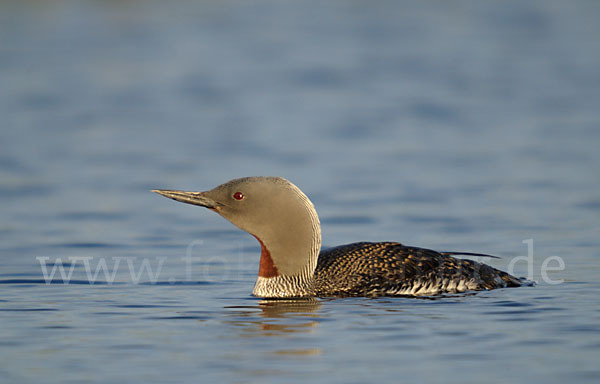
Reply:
x=294, y=254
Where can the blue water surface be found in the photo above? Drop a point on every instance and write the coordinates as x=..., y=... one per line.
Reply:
x=468, y=125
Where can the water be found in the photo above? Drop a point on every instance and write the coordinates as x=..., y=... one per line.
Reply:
x=467, y=126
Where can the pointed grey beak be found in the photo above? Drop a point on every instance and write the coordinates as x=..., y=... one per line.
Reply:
x=195, y=198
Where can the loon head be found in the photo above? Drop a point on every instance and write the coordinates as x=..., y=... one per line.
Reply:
x=281, y=217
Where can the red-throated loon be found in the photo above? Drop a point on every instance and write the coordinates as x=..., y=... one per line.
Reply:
x=292, y=264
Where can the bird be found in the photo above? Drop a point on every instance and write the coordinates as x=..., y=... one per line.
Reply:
x=292, y=265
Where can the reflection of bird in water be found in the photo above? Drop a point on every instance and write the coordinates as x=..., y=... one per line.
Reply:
x=286, y=224
x=283, y=307
x=277, y=317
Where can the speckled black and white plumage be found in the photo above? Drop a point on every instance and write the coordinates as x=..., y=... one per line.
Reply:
x=392, y=269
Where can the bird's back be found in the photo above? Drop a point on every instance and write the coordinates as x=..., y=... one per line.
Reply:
x=392, y=269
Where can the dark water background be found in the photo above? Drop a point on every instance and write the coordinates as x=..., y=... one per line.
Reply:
x=469, y=125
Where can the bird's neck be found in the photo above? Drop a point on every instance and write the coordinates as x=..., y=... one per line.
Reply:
x=289, y=257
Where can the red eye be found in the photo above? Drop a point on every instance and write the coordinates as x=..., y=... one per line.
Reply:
x=238, y=195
